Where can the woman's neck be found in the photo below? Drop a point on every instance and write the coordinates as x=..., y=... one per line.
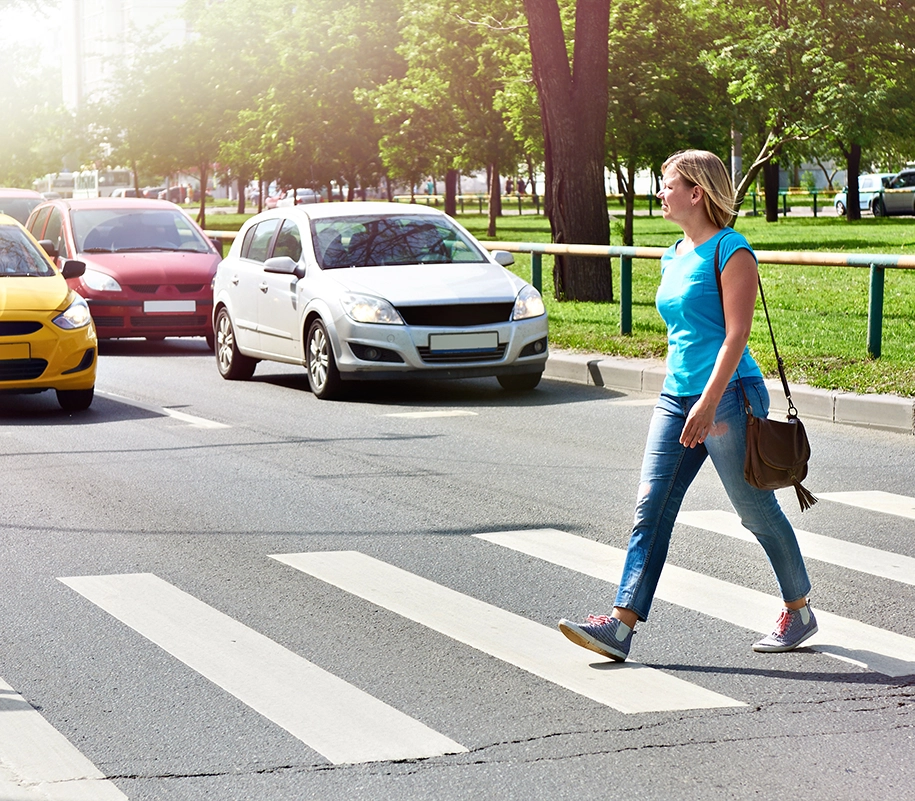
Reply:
x=697, y=231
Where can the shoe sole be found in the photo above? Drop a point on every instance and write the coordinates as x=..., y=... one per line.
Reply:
x=586, y=641
x=780, y=649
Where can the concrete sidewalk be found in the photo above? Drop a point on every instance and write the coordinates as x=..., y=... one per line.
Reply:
x=887, y=412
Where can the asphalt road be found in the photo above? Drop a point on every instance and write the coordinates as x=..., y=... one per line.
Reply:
x=217, y=590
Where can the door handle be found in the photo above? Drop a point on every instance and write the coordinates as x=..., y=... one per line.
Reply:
x=263, y=287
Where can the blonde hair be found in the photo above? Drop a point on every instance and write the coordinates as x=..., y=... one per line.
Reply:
x=701, y=168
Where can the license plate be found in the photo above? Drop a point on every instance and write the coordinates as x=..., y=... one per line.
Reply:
x=486, y=340
x=154, y=306
x=15, y=350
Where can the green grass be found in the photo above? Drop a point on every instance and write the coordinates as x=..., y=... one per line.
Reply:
x=819, y=313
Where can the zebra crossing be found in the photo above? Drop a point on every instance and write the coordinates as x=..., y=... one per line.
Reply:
x=347, y=725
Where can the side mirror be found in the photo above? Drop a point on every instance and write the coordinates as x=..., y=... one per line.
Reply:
x=73, y=268
x=503, y=257
x=281, y=264
x=49, y=247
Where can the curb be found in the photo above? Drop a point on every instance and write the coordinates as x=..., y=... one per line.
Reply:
x=885, y=412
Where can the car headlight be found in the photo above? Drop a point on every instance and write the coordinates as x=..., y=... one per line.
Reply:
x=369, y=309
x=76, y=315
x=100, y=282
x=528, y=304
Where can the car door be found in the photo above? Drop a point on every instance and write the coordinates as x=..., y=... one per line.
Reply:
x=899, y=198
x=245, y=279
x=278, y=312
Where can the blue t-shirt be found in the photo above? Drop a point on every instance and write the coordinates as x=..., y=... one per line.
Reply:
x=690, y=304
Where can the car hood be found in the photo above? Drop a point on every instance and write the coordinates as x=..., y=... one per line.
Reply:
x=431, y=283
x=154, y=267
x=35, y=293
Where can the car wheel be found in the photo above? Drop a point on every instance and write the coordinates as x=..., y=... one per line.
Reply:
x=840, y=209
x=520, y=382
x=75, y=400
x=878, y=208
x=233, y=365
x=323, y=375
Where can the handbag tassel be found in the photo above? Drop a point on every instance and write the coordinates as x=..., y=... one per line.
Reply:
x=804, y=496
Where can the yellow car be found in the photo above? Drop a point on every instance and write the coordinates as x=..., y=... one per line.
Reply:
x=47, y=339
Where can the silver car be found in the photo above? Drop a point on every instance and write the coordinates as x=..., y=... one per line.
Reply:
x=899, y=195
x=374, y=291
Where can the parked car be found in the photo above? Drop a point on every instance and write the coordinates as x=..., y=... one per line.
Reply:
x=18, y=203
x=125, y=191
x=899, y=195
x=47, y=340
x=869, y=186
x=299, y=196
x=374, y=291
x=149, y=267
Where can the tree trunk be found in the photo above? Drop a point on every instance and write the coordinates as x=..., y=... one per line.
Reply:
x=852, y=170
x=451, y=182
x=204, y=180
x=573, y=108
x=495, y=199
x=241, y=196
x=770, y=177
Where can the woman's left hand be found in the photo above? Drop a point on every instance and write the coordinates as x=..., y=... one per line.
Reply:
x=699, y=424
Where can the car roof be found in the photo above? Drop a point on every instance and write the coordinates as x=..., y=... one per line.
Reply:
x=11, y=192
x=119, y=203
x=355, y=209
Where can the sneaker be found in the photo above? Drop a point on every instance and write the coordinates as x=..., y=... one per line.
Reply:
x=602, y=633
x=793, y=628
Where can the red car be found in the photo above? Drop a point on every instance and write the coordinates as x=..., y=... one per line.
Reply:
x=149, y=267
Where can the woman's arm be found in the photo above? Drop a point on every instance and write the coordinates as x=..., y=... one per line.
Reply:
x=738, y=296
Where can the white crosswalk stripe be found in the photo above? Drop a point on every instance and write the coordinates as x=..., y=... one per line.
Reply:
x=850, y=555
x=850, y=640
x=37, y=763
x=346, y=725
x=335, y=718
x=539, y=649
x=875, y=501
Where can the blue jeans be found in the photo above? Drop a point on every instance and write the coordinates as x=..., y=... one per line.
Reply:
x=668, y=468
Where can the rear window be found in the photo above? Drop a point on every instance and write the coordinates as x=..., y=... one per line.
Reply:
x=19, y=257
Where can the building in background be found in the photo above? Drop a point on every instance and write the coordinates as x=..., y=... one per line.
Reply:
x=96, y=35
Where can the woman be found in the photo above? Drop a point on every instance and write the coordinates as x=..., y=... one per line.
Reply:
x=701, y=409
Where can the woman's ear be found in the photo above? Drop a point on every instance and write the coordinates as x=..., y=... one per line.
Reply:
x=698, y=191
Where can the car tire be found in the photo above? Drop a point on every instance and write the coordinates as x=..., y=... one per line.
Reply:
x=75, y=400
x=323, y=375
x=522, y=382
x=878, y=208
x=231, y=363
x=840, y=209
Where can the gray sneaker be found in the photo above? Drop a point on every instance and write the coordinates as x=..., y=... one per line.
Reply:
x=602, y=633
x=792, y=628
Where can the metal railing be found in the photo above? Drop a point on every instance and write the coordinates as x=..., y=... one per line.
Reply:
x=877, y=263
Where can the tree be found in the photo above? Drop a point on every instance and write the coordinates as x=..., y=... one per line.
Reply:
x=573, y=107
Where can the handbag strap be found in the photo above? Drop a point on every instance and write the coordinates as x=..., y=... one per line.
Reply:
x=792, y=411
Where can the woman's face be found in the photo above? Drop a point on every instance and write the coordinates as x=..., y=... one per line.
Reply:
x=676, y=195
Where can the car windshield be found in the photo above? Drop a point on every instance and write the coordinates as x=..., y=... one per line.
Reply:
x=371, y=241
x=117, y=231
x=18, y=208
x=19, y=257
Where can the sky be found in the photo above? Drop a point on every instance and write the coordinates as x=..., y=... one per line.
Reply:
x=28, y=26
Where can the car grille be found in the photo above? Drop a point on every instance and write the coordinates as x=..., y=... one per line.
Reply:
x=453, y=316
x=18, y=328
x=21, y=369
x=107, y=322
x=457, y=357
x=151, y=289
x=169, y=320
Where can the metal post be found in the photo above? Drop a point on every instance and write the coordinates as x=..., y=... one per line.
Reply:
x=875, y=312
x=814, y=204
x=625, y=294
x=537, y=271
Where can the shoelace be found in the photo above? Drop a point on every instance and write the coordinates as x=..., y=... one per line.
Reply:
x=781, y=625
x=599, y=620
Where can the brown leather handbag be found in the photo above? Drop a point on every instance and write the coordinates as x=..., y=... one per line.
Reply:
x=777, y=450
